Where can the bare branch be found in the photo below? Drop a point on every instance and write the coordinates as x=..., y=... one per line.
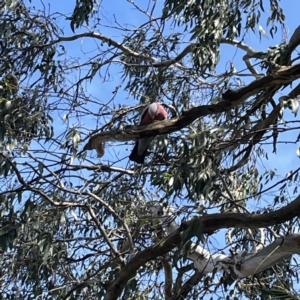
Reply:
x=112, y=211
x=125, y=50
x=102, y=230
x=37, y=190
x=250, y=53
x=249, y=50
x=107, y=40
x=96, y=168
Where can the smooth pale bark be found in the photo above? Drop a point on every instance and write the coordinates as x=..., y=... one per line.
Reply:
x=241, y=264
x=209, y=224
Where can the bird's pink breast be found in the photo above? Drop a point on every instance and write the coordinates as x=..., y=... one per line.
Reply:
x=146, y=118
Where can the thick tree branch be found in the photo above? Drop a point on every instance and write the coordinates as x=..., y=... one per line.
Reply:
x=284, y=75
x=188, y=285
x=294, y=42
x=168, y=277
x=270, y=255
x=209, y=223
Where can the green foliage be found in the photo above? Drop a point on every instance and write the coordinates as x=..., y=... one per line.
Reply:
x=211, y=20
x=26, y=55
x=83, y=11
x=71, y=223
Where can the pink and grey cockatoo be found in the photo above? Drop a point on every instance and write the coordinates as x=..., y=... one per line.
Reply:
x=154, y=111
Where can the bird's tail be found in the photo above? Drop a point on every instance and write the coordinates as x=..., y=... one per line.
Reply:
x=135, y=156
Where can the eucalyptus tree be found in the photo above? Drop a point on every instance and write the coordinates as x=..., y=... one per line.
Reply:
x=206, y=214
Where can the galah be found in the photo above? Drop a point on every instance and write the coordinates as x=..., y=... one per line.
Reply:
x=154, y=111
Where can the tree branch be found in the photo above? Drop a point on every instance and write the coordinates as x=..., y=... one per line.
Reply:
x=209, y=223
x=284, y=75
x=125, y=50
x=168, y=277
x=188, y=285
x=294, y=42
x=270, y=255
x=250, y=53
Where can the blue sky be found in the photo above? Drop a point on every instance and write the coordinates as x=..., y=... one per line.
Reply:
x=285, y=159
x=127, y=16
